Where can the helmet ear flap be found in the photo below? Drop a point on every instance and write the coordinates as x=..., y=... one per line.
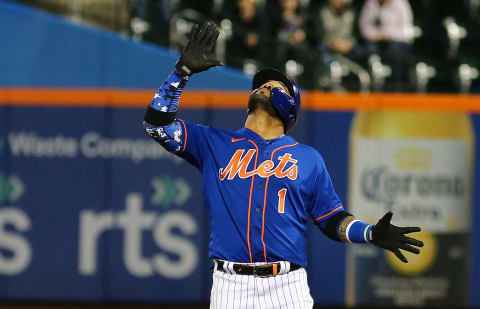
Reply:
x=284, y=104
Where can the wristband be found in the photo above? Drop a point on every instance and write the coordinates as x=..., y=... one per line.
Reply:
x=358, y=232
x=183, y=68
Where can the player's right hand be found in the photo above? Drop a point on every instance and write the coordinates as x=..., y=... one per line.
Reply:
x=197, y=55
x=391, y=237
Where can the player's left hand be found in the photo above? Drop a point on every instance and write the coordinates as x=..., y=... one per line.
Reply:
x=197, y=55
x=391, y=237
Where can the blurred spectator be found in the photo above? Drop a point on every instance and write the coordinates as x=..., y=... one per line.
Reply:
x=335, y=36
x=387, y=25
x=150, y=19
x=291, y=33
x=249, y=33
x=334, y=27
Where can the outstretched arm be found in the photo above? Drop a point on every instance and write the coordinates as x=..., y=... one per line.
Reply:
x=339, y=225
x=346, y=228
x=159, y=121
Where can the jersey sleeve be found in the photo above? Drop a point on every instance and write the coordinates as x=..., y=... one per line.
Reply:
x=324, y=202
x=194, y=142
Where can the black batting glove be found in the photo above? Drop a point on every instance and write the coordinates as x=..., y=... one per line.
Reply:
x=391, y=237
x=197, y=54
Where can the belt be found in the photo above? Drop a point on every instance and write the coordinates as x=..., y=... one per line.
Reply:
x=266, y=270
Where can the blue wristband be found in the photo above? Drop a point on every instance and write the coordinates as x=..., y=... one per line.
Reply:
x=359, y=232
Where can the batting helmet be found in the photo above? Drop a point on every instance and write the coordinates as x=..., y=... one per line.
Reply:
x=287, y=105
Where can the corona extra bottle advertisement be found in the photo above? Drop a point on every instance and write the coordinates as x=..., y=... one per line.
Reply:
x=418, y=165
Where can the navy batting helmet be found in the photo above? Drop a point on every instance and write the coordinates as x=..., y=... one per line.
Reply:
x=287, y=105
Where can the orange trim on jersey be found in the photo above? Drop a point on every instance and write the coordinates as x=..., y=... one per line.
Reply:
x=233, y=140
x=331, y=212
x=186, y=135
x=265, y=200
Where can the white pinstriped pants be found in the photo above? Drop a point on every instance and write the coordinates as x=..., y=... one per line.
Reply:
x=288, y=290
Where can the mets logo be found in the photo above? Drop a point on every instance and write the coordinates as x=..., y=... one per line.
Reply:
x=239, y=163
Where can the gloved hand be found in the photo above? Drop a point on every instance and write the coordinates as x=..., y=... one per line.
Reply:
x=391, y=237
x=197, y=54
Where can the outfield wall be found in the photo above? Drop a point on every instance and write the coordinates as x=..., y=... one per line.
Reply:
x=71, y=169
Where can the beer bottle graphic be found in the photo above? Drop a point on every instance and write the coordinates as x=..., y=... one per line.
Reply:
x=419, y=165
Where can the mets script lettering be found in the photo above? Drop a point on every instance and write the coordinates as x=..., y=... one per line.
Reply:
x=239, y=163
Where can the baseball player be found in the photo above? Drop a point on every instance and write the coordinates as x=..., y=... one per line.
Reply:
x=260, y=186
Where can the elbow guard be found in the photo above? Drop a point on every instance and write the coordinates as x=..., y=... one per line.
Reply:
x=158, y=118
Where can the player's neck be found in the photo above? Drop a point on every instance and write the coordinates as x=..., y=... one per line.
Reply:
x=264, y=125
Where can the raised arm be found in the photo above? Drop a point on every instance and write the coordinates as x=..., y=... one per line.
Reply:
x=159, y=121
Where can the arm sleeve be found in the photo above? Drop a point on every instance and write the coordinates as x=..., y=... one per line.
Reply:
x=175, y=135
x=344, y=227
x=330, y=226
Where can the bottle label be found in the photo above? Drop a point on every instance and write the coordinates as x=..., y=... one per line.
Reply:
x=424, y=182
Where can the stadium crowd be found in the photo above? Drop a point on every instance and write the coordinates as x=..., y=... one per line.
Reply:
x=329, y=44
x=366, y=45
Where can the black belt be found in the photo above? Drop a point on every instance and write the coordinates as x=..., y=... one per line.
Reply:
x=267, y=270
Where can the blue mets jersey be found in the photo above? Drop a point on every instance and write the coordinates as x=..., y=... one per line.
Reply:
x=259, y=193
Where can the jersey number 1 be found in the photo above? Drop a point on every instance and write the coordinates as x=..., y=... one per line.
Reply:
x=281, y=200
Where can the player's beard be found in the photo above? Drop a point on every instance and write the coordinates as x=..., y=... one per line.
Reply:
x=260, y=101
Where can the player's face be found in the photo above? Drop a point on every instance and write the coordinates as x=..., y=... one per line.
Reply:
x=268, y=86
x=260, y=97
